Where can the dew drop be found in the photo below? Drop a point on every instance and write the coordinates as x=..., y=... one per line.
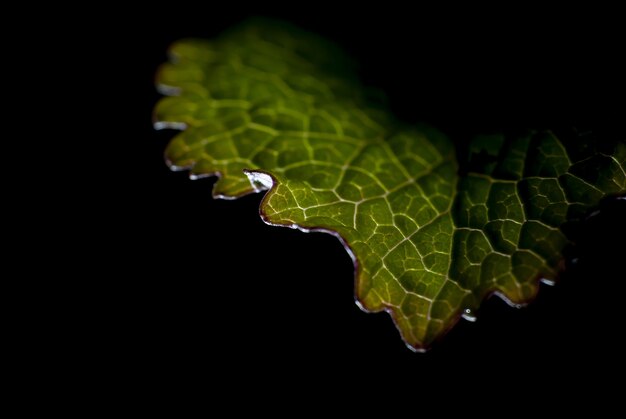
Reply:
x=469, y=315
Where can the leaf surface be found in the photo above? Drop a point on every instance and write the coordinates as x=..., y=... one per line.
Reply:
x=270, y=107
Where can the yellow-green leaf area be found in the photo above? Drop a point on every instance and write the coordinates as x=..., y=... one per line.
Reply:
x=270, y=107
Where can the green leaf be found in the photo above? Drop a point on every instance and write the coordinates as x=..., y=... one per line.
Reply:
x=269, y=107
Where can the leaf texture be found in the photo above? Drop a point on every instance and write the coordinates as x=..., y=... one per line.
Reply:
x=270, y=107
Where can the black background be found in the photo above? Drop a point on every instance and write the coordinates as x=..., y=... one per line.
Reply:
x=202, y=289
